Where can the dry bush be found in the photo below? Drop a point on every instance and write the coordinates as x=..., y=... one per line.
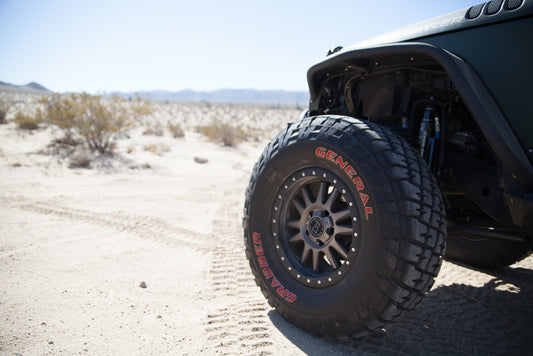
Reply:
x=227, y=134
x=27, y=122
x=157, y=149
x=175, y=130
x=155, y=130
x=98, y=121
x=4, y=108
x=140, y=107
x=62, y=111
x=101, y=123
x=66, y=141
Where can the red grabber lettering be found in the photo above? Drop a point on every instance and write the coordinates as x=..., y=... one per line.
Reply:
x=267, y=272
x=337, y=159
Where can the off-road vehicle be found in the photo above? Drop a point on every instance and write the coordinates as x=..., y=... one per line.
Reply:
x=414, y=140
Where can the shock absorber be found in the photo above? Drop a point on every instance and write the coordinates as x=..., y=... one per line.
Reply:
x=429, y=133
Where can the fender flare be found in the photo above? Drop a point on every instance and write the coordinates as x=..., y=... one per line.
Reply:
x=473, y=91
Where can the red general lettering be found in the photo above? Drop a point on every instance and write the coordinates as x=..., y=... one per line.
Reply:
x=352, y=174
x=358, y=183
x=364, y=198
x=368, y=211
x=331, y=156
x=258, y=250
x=350, y=171
x=320, y=152
x=341, y=162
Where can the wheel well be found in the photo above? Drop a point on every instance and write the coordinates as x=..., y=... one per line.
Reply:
x=327, y=85
x=414, y=96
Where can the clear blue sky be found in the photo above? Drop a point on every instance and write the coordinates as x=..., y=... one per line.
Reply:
x=104, y=45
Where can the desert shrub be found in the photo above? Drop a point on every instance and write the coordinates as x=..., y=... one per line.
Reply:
x=66, y=140
x=154, y=130
x=27, y=122
x=98, y=121
x=157, y=149
x=4, y=108
x=227, y=134
x=62, y=111
x=100, y=124
x=140, y=107
x=175, y=130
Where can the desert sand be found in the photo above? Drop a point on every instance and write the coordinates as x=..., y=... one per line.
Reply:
x=142, y=253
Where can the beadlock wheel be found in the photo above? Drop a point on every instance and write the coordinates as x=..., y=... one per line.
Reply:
x=315, y=227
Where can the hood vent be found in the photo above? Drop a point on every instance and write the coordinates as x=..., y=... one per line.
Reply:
x=492, y=8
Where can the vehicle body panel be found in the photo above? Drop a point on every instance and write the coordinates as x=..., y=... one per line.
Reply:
x=493, y=45
x=505, y=70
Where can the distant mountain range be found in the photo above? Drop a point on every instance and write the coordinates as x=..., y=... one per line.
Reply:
x=236, y=96
x=30, y=88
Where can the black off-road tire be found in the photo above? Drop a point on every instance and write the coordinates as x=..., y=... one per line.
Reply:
x=486, y=253
x=344, y=225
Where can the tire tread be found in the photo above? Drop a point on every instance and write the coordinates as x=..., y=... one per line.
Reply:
x=416, y=254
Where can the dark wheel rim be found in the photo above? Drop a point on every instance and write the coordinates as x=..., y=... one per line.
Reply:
x=315, y=227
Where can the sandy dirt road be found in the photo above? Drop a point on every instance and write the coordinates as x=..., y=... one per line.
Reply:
x=75, y=245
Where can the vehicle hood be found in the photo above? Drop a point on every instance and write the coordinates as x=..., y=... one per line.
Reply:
x=474, y=16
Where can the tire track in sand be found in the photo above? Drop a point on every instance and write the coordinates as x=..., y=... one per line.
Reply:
x=147, y=227
x=241, y=326
x=238, y=325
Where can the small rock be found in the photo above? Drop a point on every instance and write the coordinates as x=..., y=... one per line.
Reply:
x=143, y=284
x=50, y=342
x=201, y=160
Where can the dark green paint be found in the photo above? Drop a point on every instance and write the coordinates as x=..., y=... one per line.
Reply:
x=502, y=55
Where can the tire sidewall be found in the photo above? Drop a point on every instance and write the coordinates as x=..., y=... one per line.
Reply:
x=358, y=286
